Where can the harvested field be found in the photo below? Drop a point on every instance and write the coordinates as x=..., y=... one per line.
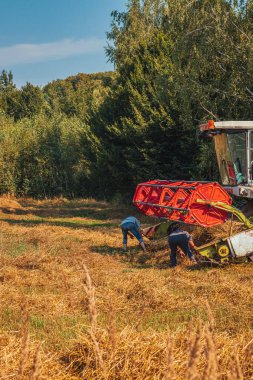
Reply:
x=73, y=306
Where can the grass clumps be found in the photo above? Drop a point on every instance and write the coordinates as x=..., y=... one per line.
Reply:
x=74, y=306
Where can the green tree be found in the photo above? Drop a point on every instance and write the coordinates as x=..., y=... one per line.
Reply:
x=178, y=64
x=9, y=94
x=31, y=101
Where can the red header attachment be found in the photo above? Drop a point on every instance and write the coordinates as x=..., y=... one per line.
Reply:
x=206, y=127
x=179, y=201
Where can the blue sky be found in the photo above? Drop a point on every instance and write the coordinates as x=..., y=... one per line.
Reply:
x=43, y=40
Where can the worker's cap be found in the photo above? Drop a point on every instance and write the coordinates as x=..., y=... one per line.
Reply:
x=172, y=227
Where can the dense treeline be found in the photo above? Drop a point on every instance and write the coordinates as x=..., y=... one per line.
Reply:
x=177, y=63
x=47, y=146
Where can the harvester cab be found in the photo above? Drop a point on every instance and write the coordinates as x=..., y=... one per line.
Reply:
x=208, y=204
x=233, y=142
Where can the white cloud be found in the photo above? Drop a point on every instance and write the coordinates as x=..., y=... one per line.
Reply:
x=32, y=53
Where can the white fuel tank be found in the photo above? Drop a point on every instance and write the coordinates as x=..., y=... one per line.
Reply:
x=241, y=244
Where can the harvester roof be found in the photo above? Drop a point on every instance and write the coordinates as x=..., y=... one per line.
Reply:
x=234, y=125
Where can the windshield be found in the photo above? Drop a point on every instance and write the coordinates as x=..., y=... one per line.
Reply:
x=237, y=145
x=251, y=156
x=231, y=155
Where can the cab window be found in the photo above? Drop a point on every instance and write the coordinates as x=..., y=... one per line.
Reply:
x=251, y=154
x=237, y=147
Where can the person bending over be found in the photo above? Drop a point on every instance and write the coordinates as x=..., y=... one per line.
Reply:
x=132, y=227
x=178, y=238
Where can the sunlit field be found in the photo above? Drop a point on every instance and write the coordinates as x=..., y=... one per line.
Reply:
x=74, y=306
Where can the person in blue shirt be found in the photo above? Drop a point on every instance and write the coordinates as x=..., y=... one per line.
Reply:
x=132, y=227
x=178, y=238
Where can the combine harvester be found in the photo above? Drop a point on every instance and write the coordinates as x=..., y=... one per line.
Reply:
x=209, y=204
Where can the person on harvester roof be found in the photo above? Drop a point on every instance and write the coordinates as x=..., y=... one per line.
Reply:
x=178, y=238
x=132, y=227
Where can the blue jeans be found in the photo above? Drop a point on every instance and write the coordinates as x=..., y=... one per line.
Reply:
x=133, y=229
x=182, y=241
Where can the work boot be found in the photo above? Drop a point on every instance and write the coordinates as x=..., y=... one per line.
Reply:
x=124, y=247
x=193, y=260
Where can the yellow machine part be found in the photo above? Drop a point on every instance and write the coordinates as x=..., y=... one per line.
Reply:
x=233, y=210
x=217, y=250
x=207, y=250
x=223, y=250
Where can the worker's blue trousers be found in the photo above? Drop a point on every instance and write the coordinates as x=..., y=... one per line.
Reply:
x=133, y=229
x=180, y=240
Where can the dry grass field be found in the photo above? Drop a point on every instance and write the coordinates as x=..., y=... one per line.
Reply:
x=73, y=306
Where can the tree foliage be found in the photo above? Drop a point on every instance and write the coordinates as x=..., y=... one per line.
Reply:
x=177, y=64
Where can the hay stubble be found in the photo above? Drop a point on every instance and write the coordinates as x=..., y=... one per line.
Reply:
x=74, y=307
